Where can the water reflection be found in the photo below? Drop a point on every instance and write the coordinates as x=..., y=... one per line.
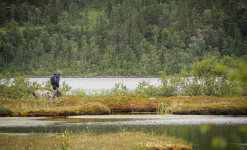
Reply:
x=208, y=132
x=83, y=120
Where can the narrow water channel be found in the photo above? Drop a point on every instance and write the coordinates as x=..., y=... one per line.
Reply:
x=202, y=131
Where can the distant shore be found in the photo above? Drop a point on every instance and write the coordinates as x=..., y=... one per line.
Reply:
x=92, y=76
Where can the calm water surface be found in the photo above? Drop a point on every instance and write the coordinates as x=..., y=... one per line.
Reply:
x=101, y=84
x=198, y=130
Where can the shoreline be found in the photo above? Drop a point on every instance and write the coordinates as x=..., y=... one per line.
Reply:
x=125, y=104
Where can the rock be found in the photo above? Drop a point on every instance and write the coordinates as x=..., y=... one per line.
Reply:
x=41, y=93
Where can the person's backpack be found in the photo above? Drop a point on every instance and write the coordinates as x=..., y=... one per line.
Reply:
x=57, y=80
x=52, y=80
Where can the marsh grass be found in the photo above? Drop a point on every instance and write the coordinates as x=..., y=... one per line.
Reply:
x=209, y=105
x=67, y=140
x=126, y=103
x=4, y=112
x=145, y=98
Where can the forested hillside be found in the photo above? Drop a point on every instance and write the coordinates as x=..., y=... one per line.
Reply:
x=118, y=37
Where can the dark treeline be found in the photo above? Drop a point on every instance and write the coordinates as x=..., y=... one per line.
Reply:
x=118, y=37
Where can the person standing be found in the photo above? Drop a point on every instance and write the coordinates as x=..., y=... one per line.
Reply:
x=55, y=84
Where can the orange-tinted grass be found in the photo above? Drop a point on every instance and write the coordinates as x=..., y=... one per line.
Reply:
x=66, y=106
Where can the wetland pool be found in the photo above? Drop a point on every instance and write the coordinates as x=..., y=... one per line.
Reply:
x=202, y=131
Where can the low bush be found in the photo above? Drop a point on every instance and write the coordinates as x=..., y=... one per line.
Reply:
x=209, y=77
x=18, y=87
x=5, y=112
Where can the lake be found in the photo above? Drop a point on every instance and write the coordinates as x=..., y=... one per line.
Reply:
x=101, y=84
x=201, y=130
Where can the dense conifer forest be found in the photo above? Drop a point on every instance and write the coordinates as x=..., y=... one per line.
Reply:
x=118, y=37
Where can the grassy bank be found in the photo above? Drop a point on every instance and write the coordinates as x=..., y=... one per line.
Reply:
x=126, y=103
x=119, y=141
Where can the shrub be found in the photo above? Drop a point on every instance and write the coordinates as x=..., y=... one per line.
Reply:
x=171, y=85
x=19, y=87
x=205, y=68
x=212, y=78
x=5, y=112
x=65, y=88
x=192, y=86
x=144, y=89
x=119, y=88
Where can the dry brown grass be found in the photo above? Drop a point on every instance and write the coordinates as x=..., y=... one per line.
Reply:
x=66, y=106
x=209, y=105
x=120, y=141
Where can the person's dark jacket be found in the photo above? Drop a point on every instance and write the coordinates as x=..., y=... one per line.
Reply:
x=55, y=81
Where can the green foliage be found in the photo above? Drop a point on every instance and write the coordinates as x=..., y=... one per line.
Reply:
x=120, y=38
x=169, y=85
x=240, y=74
x=146, y=90
x=219, y=143
x=64, y=140
x=119, y=88
x=47, y=85
x=18, y=87
x=192, y=86
x=126, y=38
x=65, y=88
x=205, y=68
x=5, y=112
x=78, y=93
x=209, y=79
x=214, y=86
